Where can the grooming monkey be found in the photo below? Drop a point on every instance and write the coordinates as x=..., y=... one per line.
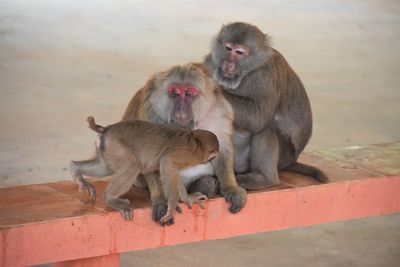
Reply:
x=186, y=96
x=127, y=149
x=272, y=113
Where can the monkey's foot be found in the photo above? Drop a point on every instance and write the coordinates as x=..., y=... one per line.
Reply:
x=122, y=205
x=167, y=219
x=160, y=208
x=253, y=181
x=195, y=198
x=236, y=196
x=86, y=186
x=207, y=185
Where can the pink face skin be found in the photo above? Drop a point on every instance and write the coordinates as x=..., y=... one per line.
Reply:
x=236, y=53
x=182, y=95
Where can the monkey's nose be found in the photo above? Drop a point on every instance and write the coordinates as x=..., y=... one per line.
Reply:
x=229, y=68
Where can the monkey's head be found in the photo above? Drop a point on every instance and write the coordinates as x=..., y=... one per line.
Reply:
x=208, y=143
x=238, y=49
x=182, y=95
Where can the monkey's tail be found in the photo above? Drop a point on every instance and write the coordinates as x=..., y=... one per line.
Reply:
x=308, y=170
x=92, y=125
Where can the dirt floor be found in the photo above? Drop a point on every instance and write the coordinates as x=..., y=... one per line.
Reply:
x=61, y=61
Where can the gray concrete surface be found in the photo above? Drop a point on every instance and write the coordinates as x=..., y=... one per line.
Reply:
x=373, y=242
x=61, y=61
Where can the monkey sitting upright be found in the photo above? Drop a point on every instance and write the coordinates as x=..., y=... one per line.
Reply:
x=127, y=149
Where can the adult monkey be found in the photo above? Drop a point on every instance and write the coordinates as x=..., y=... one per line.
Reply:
x=272, y=113
x=187, y=96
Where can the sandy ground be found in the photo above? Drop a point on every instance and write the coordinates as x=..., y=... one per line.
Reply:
x=61, y=61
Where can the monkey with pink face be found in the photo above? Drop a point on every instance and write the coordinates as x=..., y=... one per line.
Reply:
x=186, y=95
x=272, y=113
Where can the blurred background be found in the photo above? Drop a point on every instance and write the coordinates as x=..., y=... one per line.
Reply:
x=61, y=61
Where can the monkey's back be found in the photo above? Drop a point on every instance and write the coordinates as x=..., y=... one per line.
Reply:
x=148, y=142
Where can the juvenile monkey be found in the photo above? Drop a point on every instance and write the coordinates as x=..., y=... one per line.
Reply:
x=272, y=113
x=127, y=149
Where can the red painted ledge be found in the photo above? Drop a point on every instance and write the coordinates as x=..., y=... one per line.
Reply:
x=52, y=223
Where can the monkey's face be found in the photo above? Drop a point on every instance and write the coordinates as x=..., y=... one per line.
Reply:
x=238, y=49
x=182, y=97
x=229, y=71
x=234, y=55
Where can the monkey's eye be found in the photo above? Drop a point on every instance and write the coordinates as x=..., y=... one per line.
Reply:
x=228, y=48
x=239, y=52
x=176, y=93
x=188, y=93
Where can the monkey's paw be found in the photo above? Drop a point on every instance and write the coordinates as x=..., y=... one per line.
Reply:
x=195, y=198
x=86, y=186
x=160, y=210
x=168, y=220
x=236, y=196
x=122, y=205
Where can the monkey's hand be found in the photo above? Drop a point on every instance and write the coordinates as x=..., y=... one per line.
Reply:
x=195, y=198
x=85, y=185
x=234, y=195
x=167, y=219
x=123, y=205
x=160, y=207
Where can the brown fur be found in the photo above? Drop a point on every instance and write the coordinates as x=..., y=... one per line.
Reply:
x=210, y=112
x=129, y=149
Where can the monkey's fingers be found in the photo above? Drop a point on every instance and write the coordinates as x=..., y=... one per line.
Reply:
x=178, y=209
x=201, y=199
x=91, y=189
x=236, y=196
x=189, y=204
x=127, y=214
x=201, y=204
x=168, y=220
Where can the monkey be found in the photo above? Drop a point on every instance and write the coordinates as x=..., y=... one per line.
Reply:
x=126, y=149
x=187, y=96
x=272, y=112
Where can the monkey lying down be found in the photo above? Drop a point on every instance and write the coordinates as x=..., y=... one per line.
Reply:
x=127, y=149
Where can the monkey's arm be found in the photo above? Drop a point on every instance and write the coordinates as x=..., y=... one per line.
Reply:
x=169, y=176
x=223, y=164
x=254, y=113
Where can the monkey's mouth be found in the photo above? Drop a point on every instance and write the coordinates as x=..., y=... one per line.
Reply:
x=229, y=74
x=227, y=81
x=183, y=123
x=226, y=74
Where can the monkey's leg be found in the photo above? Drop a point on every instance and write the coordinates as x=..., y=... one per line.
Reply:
x=120, y=184
x=264, y=157
x=172, y=185
x=230, y=190
x=158, y=199
x=92, y=167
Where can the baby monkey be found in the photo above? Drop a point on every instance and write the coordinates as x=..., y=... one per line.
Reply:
x=127, y=149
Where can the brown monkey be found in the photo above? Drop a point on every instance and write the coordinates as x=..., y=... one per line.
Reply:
x=272, y=113
x=187, y=96
x=127, y=149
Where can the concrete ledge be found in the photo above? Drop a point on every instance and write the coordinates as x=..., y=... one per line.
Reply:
x=52, y=222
